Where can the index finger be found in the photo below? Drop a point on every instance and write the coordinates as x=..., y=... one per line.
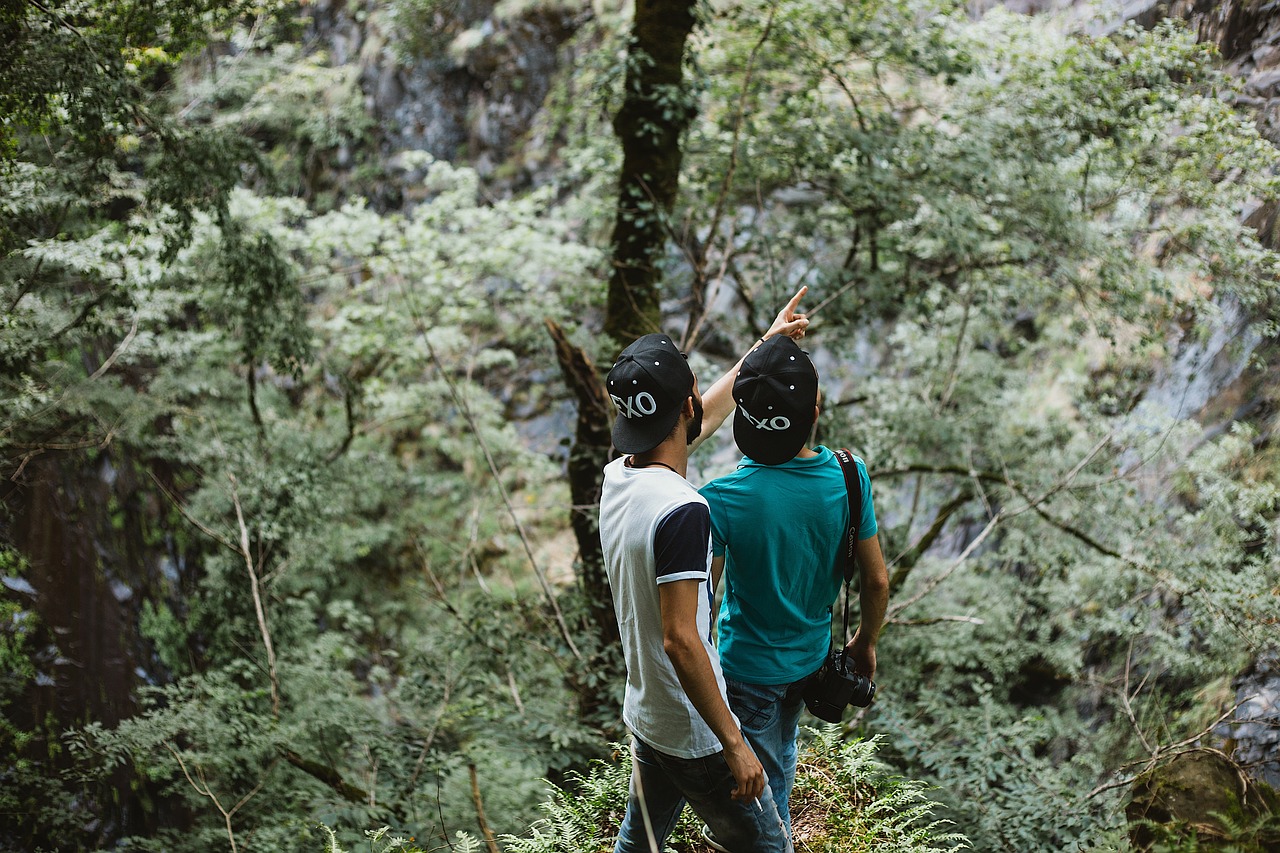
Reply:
x=795, y=300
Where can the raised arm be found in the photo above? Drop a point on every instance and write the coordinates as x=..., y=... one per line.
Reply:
x=717, y=400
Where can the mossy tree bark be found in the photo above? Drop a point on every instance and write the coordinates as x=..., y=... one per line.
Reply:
x=587, y=459
x=655, y=113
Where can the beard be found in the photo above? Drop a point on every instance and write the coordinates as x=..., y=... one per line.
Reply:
x=694, y=428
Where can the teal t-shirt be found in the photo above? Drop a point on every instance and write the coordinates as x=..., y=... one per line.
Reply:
x=781, y=529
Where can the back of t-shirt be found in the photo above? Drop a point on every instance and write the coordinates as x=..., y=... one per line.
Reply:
x=782, y=531
x=639, y=507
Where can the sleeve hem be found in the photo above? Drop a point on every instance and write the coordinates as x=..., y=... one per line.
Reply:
x=682, y=576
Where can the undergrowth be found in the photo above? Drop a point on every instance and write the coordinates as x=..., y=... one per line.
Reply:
x=845, y=801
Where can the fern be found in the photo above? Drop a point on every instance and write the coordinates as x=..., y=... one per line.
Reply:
x=1231, y=834
x=844, y=800
x=584, y=819
x=467, y=843
x=394, y=842
x=333, y=841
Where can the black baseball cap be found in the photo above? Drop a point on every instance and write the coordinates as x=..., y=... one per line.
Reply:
x=776, y=391
x=648, y=385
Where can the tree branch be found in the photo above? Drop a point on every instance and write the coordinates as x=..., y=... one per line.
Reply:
x=327, y=775
x=698, y=311
x=489, y=838
x=348, y=404
x=124, y=345
x=257, y=600
x=199, y=525
x=202, y=788
x=905, y=562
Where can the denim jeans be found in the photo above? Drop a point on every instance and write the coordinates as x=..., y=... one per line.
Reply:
x=660, y=786
x=770, y=718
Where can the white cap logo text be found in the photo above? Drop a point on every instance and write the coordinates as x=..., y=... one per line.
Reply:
x=777, y=423
x=638, y=406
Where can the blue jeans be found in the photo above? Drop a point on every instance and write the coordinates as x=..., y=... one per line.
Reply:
x=660, y=786
x=770, y=718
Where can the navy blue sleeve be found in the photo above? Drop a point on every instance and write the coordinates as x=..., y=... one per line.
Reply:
x=681, y=544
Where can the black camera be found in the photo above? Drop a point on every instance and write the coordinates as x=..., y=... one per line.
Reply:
x=835, y=686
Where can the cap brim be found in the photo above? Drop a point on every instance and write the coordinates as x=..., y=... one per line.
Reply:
x=768, y=446
x=630, y=437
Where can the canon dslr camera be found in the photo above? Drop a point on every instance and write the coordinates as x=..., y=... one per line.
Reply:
x=834, y=687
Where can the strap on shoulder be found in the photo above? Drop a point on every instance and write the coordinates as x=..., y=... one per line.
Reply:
x=853, y=486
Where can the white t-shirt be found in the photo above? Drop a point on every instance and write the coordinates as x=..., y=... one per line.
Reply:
x=655, y=529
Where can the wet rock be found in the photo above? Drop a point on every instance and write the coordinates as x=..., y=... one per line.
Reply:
x=1256, y=740
x=1264, y=83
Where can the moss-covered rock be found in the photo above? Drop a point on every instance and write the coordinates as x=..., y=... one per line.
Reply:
x=1205, y=795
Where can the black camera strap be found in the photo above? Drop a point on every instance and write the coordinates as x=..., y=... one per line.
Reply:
x=853, y=488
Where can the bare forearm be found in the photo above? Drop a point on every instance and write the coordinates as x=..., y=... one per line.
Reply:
x=717, y=402
x=874, y=599
x=698, y=679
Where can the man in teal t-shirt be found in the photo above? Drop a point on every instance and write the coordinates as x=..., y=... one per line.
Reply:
x=778, y=528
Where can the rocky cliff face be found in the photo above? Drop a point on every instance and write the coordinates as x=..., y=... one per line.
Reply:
x=460, y=79
x=1247, y=34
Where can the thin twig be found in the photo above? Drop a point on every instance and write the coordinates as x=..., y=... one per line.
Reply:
x=933, y=582
x=124, y=344
x=257, y=599
x=201, y=526
x=722, y=198
x=1126, y=699
x=1030, y=505
x=202, y=788
x=489, y=838
x=954, y=371
x=431, y=735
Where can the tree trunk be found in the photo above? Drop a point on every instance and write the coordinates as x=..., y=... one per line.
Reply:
x=587, y=459
x=655, y=112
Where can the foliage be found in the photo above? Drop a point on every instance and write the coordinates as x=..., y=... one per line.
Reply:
x=845, y=800
x=351, y=415
x=1006, y=230
x=1234, y=835
x=318, y=405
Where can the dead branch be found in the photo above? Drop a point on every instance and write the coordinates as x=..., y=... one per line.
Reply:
x=934, y=620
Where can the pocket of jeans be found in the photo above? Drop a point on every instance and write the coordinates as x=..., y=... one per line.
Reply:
x=713, y=778
x=753, y=710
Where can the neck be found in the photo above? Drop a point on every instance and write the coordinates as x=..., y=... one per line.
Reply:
x=806, y=453
x=666, y=455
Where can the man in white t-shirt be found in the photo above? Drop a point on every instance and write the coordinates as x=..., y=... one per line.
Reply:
x=656, y=532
